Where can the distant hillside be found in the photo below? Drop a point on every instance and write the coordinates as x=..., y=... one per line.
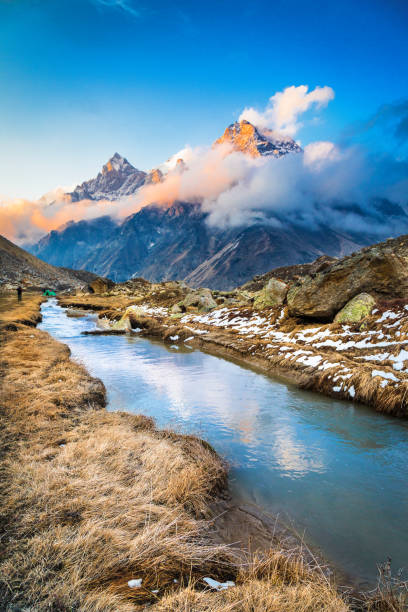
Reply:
x=19, y=267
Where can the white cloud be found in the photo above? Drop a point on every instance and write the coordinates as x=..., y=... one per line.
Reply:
x=321, y=152
x=284, y=108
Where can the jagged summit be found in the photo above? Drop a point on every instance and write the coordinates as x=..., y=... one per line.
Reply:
x=117, y=179
x=117, y=163
x=248, y=139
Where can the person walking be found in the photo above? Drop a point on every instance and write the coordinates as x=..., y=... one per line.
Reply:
x=19, y=293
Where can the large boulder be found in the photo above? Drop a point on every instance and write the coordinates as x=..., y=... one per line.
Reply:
x=273, y=294
x=101, y=285
x=356, y=309
x=377, y=270
x=201, y=299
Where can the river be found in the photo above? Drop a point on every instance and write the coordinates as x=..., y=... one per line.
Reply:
x=336, y=470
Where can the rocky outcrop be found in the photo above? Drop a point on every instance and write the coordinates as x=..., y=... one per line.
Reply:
x=273, y=294
x=380, y=270
x=356, y=309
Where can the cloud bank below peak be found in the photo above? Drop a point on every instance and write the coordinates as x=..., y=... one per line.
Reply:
x=328, y=184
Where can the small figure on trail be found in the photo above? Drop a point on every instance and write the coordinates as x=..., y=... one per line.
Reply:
x=19, y=293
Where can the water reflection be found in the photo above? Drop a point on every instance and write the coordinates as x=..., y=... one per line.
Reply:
x=338, y=469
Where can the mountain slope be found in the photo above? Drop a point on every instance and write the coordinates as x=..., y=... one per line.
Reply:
x=17, y=266
x=176, y=242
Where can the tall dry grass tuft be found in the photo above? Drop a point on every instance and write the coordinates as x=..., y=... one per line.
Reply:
x=273, y=583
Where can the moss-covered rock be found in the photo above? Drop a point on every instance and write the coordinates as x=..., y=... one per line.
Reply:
x=273, y=294
x=201, y=299
x=356, y=309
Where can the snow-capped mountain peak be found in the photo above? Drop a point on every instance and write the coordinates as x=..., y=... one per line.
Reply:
x=117, y=179
x=117, y=163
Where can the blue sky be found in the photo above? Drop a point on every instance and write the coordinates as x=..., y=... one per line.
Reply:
x=81, y=79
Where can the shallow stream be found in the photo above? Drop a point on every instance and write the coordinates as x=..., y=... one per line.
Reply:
x=336, y=470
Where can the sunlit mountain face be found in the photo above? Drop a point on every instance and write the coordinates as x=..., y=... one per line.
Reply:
x=245, y=137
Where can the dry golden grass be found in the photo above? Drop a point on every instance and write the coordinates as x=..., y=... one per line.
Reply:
x=91, y=499
x=14, y=313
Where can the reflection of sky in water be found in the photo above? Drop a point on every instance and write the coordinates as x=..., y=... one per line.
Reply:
x=339, y=470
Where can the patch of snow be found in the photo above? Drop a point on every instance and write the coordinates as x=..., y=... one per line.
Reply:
x=218, y=586
x=352, y=391
x=399, y=359
x=388, y=314
x=174, y=337
x=326, y=365
x=310, y=361
x=378, y=357
x=387, y=375
x=136, y=583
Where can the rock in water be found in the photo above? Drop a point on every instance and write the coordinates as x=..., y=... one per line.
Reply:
x=356, y=309
x=273, y=294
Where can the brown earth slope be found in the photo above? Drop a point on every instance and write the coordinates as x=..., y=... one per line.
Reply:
x=17, y=266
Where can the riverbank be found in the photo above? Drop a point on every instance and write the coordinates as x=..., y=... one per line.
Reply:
x=365, y=362
x=92, y=500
